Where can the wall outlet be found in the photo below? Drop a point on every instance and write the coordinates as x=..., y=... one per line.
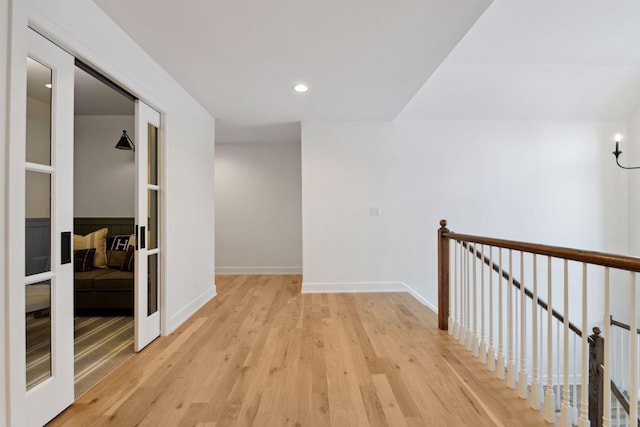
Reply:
x=374, y=211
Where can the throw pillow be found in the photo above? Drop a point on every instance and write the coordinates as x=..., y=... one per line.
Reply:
x=118, y=243
x=97, y=240
x=83, y=259
x=129, y=260
x=116, y=250
x=116, y=258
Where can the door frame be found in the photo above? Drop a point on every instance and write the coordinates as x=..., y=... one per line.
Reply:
x=23, y=16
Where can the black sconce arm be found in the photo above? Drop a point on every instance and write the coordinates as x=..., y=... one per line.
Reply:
x=617, y=154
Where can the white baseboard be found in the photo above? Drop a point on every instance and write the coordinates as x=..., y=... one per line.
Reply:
x=356, y=287
x=190, y=309
x=351, y=287
x=421, y=299
x=258, y=270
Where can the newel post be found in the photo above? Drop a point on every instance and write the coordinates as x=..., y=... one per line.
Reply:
x=443, y=277
x=596, y=381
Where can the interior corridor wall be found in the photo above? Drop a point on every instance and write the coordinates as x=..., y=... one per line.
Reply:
x=546, y=182
x=630, y=146
x=104, y=180
x=258, y=208
x=345, y=174
x=4, y=42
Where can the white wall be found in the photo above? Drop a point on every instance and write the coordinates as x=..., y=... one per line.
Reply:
x=547, y=182
x=630, y=146
x=4, y=32
x=103, y=176
x=345, y=172
x=258, y=208
x=187, y=132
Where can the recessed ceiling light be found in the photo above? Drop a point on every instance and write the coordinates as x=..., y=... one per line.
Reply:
x=48, y=85
x=300, y=87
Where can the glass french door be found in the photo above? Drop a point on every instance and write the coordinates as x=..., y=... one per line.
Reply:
x=45, y=360
x=147, y=259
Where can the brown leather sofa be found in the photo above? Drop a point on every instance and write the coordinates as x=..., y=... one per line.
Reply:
x=103, y=291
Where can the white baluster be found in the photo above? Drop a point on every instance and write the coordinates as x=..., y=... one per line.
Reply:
x=559, y=352
x=574, y=376
x=633, y=352
x=452, y=287
x=469, y=331
x=491, y=357
x=458, y=283
x=616, y=366
x=549, y=396
x=522, y=373
x=474, y=342
x=541, y=354
x=606, y=416
x=583, y=421
x=483, y=341
x=534, y=401
x=500, y=367
x=511, y=372
x=466, y=296
x=565, y=409
x=516, y=333
x=463, y=290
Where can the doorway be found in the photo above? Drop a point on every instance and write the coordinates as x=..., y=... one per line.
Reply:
x=41, y=217
x=104, y=199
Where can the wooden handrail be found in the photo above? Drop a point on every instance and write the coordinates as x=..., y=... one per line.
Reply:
x=596, y=357
x=507, y=276
x=622, y=325
x=598, y=258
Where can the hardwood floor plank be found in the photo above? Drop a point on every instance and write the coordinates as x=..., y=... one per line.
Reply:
x=263, y=354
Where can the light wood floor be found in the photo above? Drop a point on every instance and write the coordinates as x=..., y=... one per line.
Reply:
x=262, y=354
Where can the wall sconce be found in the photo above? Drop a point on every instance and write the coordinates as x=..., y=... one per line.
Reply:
x=125, y=143
x=617, y=153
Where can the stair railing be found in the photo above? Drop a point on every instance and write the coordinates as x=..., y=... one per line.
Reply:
x=621, y=339
x=530, y=343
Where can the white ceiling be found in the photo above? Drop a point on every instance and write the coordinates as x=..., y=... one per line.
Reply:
x=540, y=60
x=375, y=60
x=362, y=59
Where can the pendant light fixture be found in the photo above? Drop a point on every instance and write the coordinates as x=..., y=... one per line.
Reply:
x=125, y=142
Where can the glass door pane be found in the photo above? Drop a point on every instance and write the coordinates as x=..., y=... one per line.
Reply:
x=152, y=210
x=38, y=223
x=147, y=266
x=37, y=261
x=39, y=87
x=38, y=326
